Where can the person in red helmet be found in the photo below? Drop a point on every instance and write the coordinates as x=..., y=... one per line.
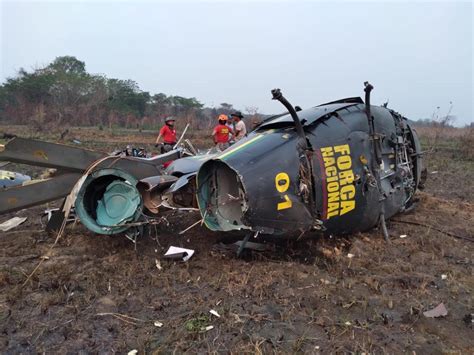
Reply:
x=168, y=132
x=221, y=133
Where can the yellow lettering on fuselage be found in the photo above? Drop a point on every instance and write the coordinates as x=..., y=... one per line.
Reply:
x=339, y=180
x=282, y=183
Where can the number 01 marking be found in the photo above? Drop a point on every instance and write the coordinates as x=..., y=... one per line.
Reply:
x=282, y=183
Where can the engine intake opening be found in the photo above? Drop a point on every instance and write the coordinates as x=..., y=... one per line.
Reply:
x=107, y=200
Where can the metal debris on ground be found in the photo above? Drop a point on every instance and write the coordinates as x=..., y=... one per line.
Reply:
x=11, y=179
x=158, y=264
x=179, y=253
x=439, y=311
x=213, y=312
x=469, y=319
x=12, y=223
x=222, y=247
x=252, y=245
x=191, y=226
x=48, y=213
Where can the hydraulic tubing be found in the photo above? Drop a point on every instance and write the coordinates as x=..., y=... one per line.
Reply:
x=368, y=88
x=277, y=95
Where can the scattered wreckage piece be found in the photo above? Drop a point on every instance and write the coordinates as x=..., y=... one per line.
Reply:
x=11, y=179
x=117, y=189
x=439, y=311
x=72, y=159
x=12, y=223
x=178, y=253
x=48, y=155
x=71, y=163
x=49, y=213
x=52, y=218
x=20, y=197
x=113, y=200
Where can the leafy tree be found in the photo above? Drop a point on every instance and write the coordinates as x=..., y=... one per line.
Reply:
x=126, y=97
x=67, y=65
x=226, y=107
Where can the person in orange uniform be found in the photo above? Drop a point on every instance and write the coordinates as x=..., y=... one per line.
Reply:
x=221, y=133
x=168, y=132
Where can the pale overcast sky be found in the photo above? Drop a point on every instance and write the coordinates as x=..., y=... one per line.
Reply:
x=419, y=55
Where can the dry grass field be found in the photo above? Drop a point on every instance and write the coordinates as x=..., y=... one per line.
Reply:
x=100, y=294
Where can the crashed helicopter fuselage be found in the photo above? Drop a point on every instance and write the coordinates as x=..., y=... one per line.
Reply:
x=337, y=174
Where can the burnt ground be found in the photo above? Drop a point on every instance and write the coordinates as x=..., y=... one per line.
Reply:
x=101, y=294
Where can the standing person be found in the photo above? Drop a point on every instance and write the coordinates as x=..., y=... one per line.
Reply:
x=221, y=133
x=230, y=124
x=240, y=129
x=168, y=132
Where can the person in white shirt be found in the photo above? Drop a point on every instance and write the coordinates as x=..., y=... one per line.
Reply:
x=240, y=131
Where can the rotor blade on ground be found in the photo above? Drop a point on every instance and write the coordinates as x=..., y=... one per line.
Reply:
x=49, y=155
x=18, y=198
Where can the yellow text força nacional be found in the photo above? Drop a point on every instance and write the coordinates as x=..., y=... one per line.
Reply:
x=339, y=180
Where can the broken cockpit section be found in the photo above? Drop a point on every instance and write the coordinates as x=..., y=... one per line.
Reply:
x=264, y=183
x=221, y=197
x=254, y=185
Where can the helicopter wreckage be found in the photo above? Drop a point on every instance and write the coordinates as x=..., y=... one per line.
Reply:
x=340, y=167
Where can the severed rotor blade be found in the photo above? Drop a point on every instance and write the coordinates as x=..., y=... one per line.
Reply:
x=49, y=155
x=73, y=159
x=20, y=197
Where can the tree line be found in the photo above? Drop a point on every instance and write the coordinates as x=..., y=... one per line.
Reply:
x=63, y=93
